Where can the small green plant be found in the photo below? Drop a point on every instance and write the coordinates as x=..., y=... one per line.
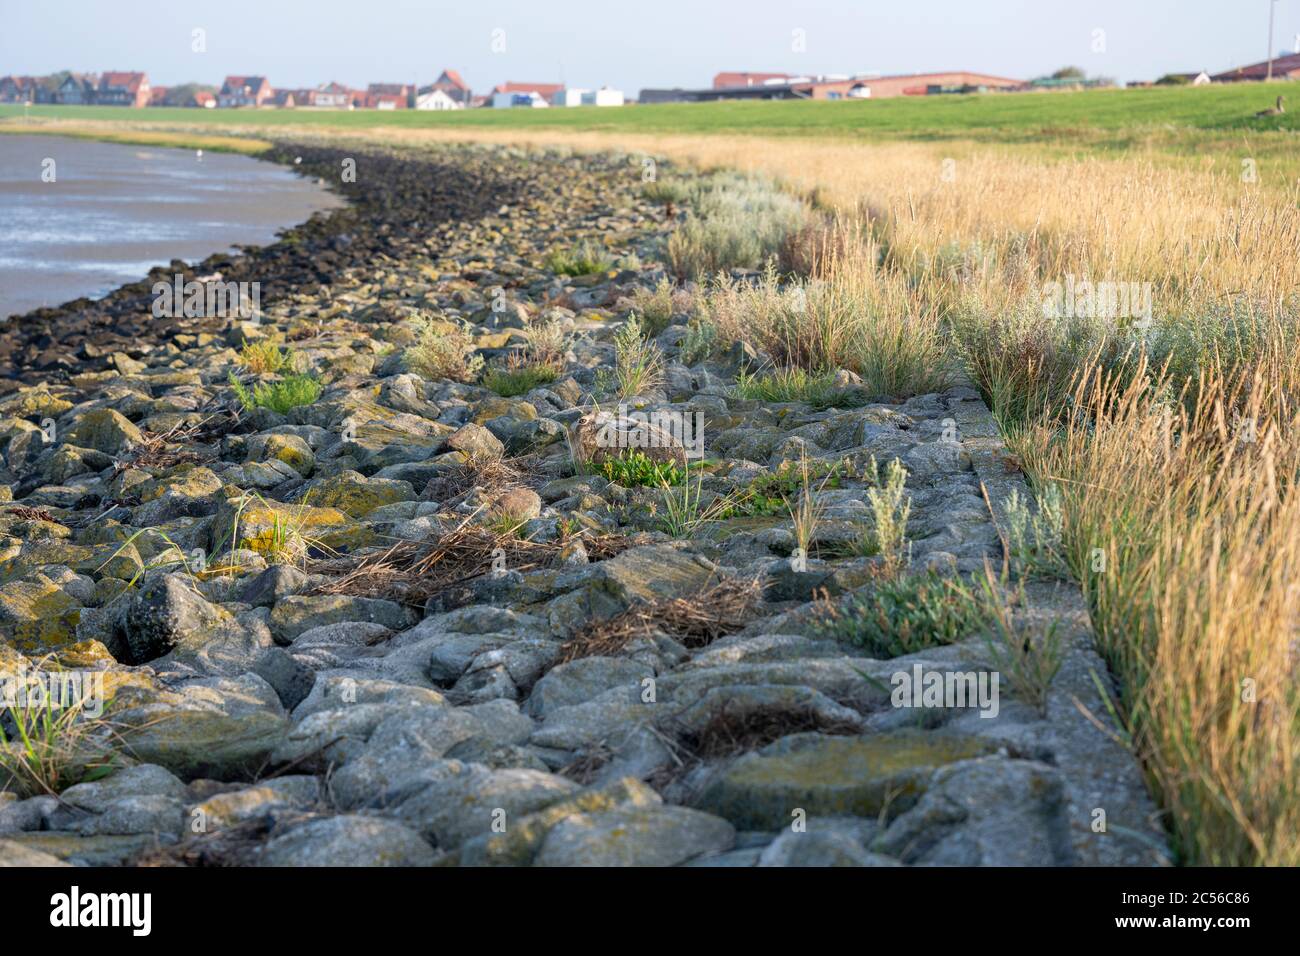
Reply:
x=666, y=191
x=806, y=510
x=687, y=511
x=890, y=509
x=289, y=392
x=265, y=358
x=1034, y=536
x=443, y=351
x=657, y=306
x=519, y=380
x=638, y=363
x=818, y=389
x=700, y=341
x=1029, y=663
x=907, y=614
x=770, y=493
x=585, y=259
x=634, y=469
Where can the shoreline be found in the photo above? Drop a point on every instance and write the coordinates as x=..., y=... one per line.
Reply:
x=81, y=333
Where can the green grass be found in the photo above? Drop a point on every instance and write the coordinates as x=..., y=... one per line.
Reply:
x=509, y=382
x=289, y=392
x=818, y=389
x=1030, y=116
x=636, y=469
x=583, y=260
x=903, y=615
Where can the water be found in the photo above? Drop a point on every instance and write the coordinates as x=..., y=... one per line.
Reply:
x=114, y=212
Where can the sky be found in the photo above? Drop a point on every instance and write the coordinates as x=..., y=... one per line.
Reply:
x=629, y=46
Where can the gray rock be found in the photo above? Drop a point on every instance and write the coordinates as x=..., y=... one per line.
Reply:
x=582, y=680
x=166, y=609
x=475, y=441
x=298, y=613
x=137, y=781
x=250, y=803
x=291, y=679
x=474, y=799
x=348, y=841
x=145, y=813
x=635, y=836
x=830, y=776
x=16, y=854
x=825, y=842
x=987, y=812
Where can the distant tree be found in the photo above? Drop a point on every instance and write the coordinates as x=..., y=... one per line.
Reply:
x=1070, y=73
x=183, y=93
x=1174, y=79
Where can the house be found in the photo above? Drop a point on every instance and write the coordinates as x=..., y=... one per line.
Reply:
x=1285, y=67
x=603, y=97
x=123, y=89
x=78, y=89
x=203, y=100
x=770, y=87
x=724, y=81
x=506, y=100
x=388, y=96
x=435, y=98
x=568, y=97
x=329, y=96
x=17, y=89
x=524, y=94
x=158, y=96
x=238, y=91
x=451, y=83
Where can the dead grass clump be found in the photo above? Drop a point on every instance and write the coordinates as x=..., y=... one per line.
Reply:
x=494, y=476
x=695, y=621
x=732, y=731
x=24, y=513
x=162, y=450
x=414, y=571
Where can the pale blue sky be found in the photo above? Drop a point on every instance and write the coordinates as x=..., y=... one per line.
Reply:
x=631, y=45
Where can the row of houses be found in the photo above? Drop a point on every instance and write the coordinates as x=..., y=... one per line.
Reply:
x=1285, y=66
x=785, y=86
x=448, y=92
x=113, y=88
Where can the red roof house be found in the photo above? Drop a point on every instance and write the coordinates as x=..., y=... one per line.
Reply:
x=239, y=91
x=123, y=89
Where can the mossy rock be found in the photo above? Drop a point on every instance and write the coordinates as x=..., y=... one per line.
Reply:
x=278, y=531
x=832, y=776
x=109, y=560
x=36, y=616
x=200, y=743
x=103, y=429
x=356, y=495
x=521, y=841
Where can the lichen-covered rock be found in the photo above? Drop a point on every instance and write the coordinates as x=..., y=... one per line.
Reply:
x=831, y=776
x=104, y=430
x=348, y=841
x=635, y=836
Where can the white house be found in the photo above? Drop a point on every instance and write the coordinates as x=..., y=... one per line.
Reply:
x=1201, y=79
x=569, y=97
x=603, y=97
x=508, y=99
x=435, y=99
